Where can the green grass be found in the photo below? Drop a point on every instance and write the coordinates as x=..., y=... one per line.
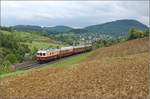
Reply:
x=62, y=63
x=34, y=40
x=38, y=41
x=19, y=72
x=41, y=45
x=70, y=61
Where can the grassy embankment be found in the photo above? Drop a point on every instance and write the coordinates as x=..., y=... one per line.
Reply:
x=60, y=64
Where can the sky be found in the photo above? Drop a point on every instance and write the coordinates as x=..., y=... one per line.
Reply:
x=76, y=14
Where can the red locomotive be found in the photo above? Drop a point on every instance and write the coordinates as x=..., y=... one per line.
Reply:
x=52, y=54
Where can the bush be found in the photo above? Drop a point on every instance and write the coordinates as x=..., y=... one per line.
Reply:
x=104, y=43
x=10, y=29
x=5, y=67
x=11, y=58
x=33, y=53
x=135, y=33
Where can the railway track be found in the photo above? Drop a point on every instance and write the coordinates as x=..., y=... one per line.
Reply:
x=35, y=64
x=26, y=65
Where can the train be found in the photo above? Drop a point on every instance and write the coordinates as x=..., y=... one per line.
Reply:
x=46, y=55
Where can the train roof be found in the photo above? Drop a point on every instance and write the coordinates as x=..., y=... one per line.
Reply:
x=48, y=50
x=63, y=48
x=80, y=46
x=66, y=48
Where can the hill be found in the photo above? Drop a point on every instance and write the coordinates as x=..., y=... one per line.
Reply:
x=39, y=29
x=116, y=28
x=119, y=71
x=57, y=29
x=34, y=40
x=28, y=28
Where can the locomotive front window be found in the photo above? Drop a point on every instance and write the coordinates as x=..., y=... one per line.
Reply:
x=40, y=54
x=43, y=54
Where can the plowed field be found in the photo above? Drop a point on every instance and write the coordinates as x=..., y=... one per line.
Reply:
x=119, y=71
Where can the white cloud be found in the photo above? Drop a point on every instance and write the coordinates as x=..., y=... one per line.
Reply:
x=72, y=13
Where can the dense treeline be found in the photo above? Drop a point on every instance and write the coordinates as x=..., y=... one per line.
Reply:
x=11, y=50
x=9, y=29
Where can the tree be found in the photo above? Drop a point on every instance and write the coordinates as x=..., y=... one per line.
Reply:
x=33, y=53
x=10, y=29
x=5, y=67
x=135, y=33
x=11, y=58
